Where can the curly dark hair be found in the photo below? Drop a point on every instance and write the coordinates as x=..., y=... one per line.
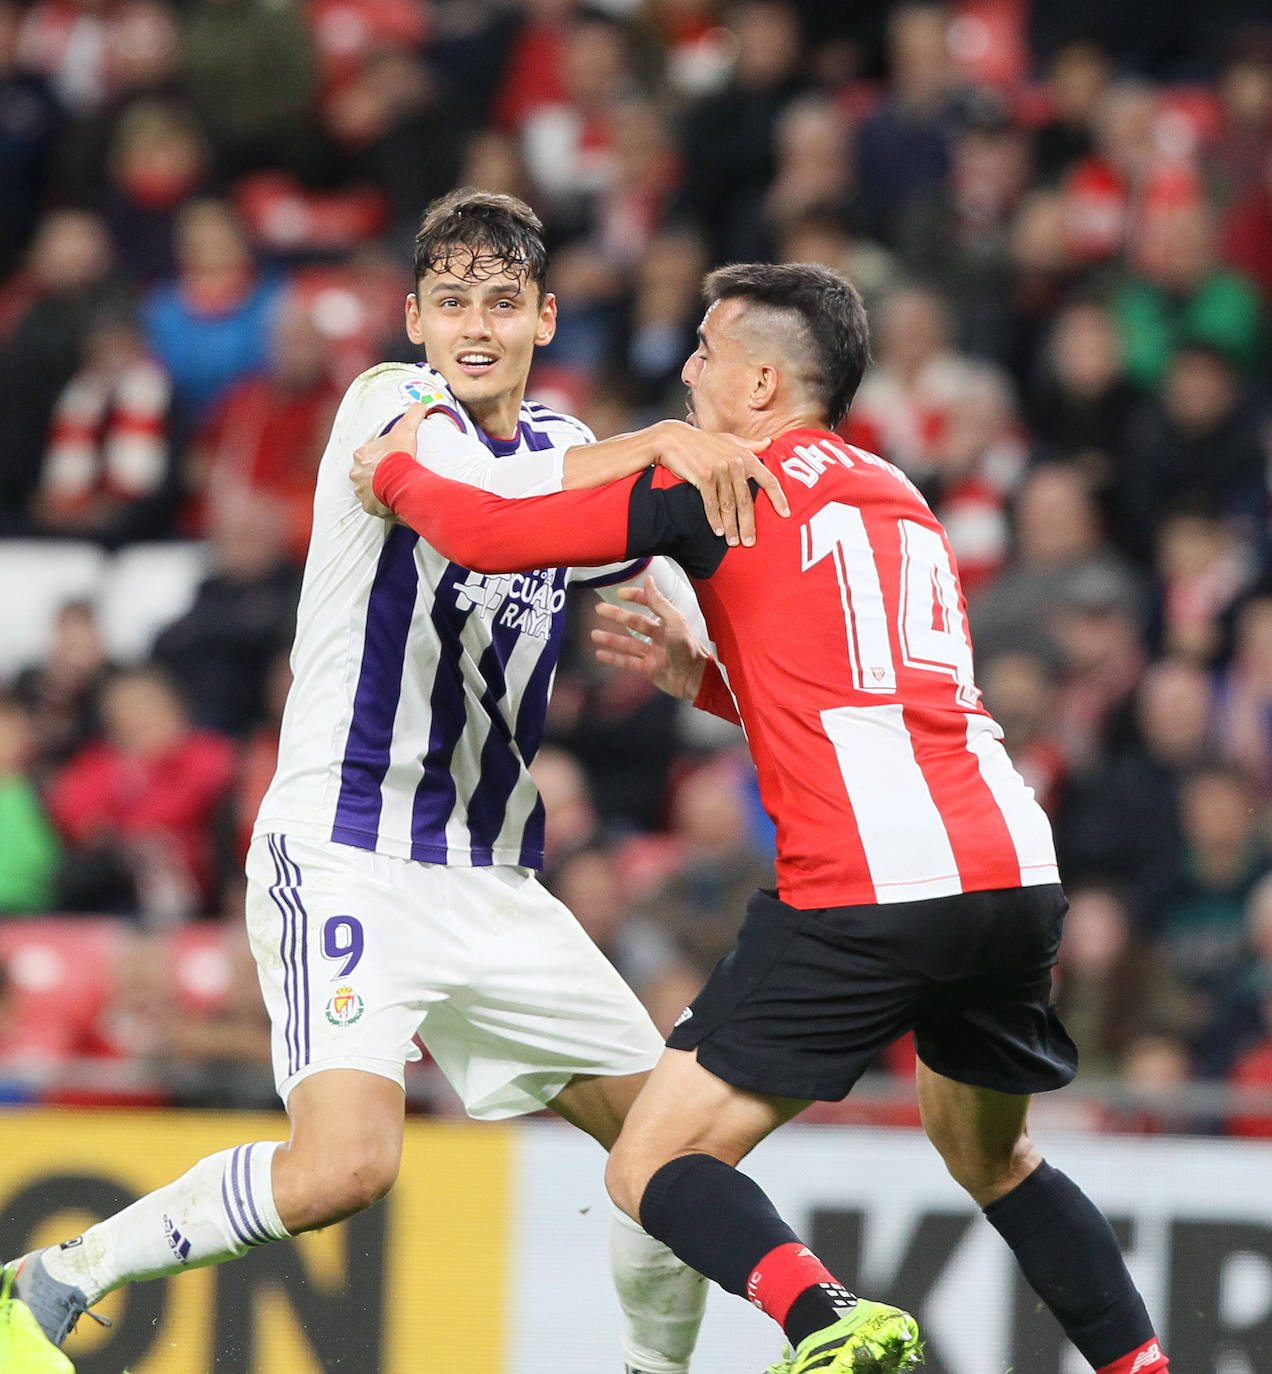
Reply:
x=480, y=234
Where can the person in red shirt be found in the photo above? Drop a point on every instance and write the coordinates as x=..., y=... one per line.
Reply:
x=916, y=878
x=147, y=792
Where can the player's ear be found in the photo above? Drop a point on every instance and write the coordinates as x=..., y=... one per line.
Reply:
x=764, y=384
x=414, y=331
x=547, y=320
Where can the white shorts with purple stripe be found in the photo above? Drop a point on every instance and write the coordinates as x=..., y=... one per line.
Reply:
x=359, y=952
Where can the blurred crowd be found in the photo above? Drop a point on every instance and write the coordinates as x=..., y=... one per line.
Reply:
x=1060, y=218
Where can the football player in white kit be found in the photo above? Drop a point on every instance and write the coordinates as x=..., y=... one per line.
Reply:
x=391, y=884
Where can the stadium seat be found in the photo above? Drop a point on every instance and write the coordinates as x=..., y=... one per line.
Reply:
x=61, y=971
x=38, y=577
x=145, y=588
x=203, y=965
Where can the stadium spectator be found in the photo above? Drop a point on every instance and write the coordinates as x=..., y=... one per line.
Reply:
x=137, y=805
x=569, y=813
x=978, y=460
x=220, y=651
x=715, y=867
x=1111, y=986
x=61, y=692
x=1195, y=907
x=902, y=408
x=814, y=169
x=1059, y=544
x=1238, y=1022
x=1243, y=692
x=1096, y=627
x=1077, y=74
x=1121, y=816
x=959, y=233
x=660, y=320
x=264, y=438
x=1236, y=153
x=1247, y=234
x=1078, y=401
x=109, y=471
x=70, y=275
x=728, y=135
x=30, y=120
x=1181, y=293
x=251, y=69
x=1019, y=690
x=209, y=325
x=1201, y=442
x=259, y=756
x=904, y=147
x=824, y=235
x=144, y=70
x=157, y=159
x=590, y=881
x=624, y=735
x=30, y=854
x=1203, y=566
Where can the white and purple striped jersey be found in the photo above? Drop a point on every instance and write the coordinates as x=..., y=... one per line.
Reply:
x=420, y=688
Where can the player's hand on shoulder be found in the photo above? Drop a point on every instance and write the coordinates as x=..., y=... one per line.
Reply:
x=658, y=645
x=368, y=457
x=721, y=467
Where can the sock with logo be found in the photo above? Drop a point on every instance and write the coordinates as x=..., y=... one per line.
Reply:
x=217, y=1210
x=720, y=1223
x=662, y=1300
x=1067, y=1251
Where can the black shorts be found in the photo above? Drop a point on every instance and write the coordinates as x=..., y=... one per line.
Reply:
x=807, y=999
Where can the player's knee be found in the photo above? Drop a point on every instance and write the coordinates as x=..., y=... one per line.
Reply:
x=625, y=1180
x=350, y=1181
x=988, y=1172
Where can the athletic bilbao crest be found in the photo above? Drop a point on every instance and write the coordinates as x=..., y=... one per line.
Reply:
x=344, y=1006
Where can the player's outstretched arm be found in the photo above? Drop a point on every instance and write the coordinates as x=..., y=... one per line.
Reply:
x=721, y=467
x=490, y=533
x=657, y=642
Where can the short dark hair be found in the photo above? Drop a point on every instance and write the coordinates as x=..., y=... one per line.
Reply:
x=827, y=307
x=487, y=233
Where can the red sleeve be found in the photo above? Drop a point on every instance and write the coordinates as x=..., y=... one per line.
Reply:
x=715, y=697
x=489, y=533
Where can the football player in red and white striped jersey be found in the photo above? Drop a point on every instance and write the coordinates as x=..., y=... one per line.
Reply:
x=917, y=886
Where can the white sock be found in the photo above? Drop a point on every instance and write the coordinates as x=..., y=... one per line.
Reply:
x=662, y=1299
x=216, y=1211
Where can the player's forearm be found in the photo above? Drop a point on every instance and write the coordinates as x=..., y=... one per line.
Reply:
x=608, y=460
x=490, y=533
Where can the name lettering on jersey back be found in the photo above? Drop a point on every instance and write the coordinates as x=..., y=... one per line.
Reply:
x=525, y=602
x=810, y=461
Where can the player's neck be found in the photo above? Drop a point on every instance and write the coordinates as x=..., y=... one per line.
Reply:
x=771, y=424
x=500, y=416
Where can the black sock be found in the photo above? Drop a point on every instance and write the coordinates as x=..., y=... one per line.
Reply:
x=717, y=1220
x=1067, y=1251
x=722, y=1224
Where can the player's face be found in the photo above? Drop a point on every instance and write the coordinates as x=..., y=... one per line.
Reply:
x=480, y=333
x=717, y=373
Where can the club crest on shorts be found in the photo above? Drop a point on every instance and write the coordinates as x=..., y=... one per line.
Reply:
x=344, y=1006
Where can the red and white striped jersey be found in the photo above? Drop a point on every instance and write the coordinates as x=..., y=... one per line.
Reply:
x=841, y=636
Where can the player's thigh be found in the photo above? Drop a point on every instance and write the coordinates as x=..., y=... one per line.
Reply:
x=686, y=1109
x=979, y=1132
x=348, y=957
x=598, y=1104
